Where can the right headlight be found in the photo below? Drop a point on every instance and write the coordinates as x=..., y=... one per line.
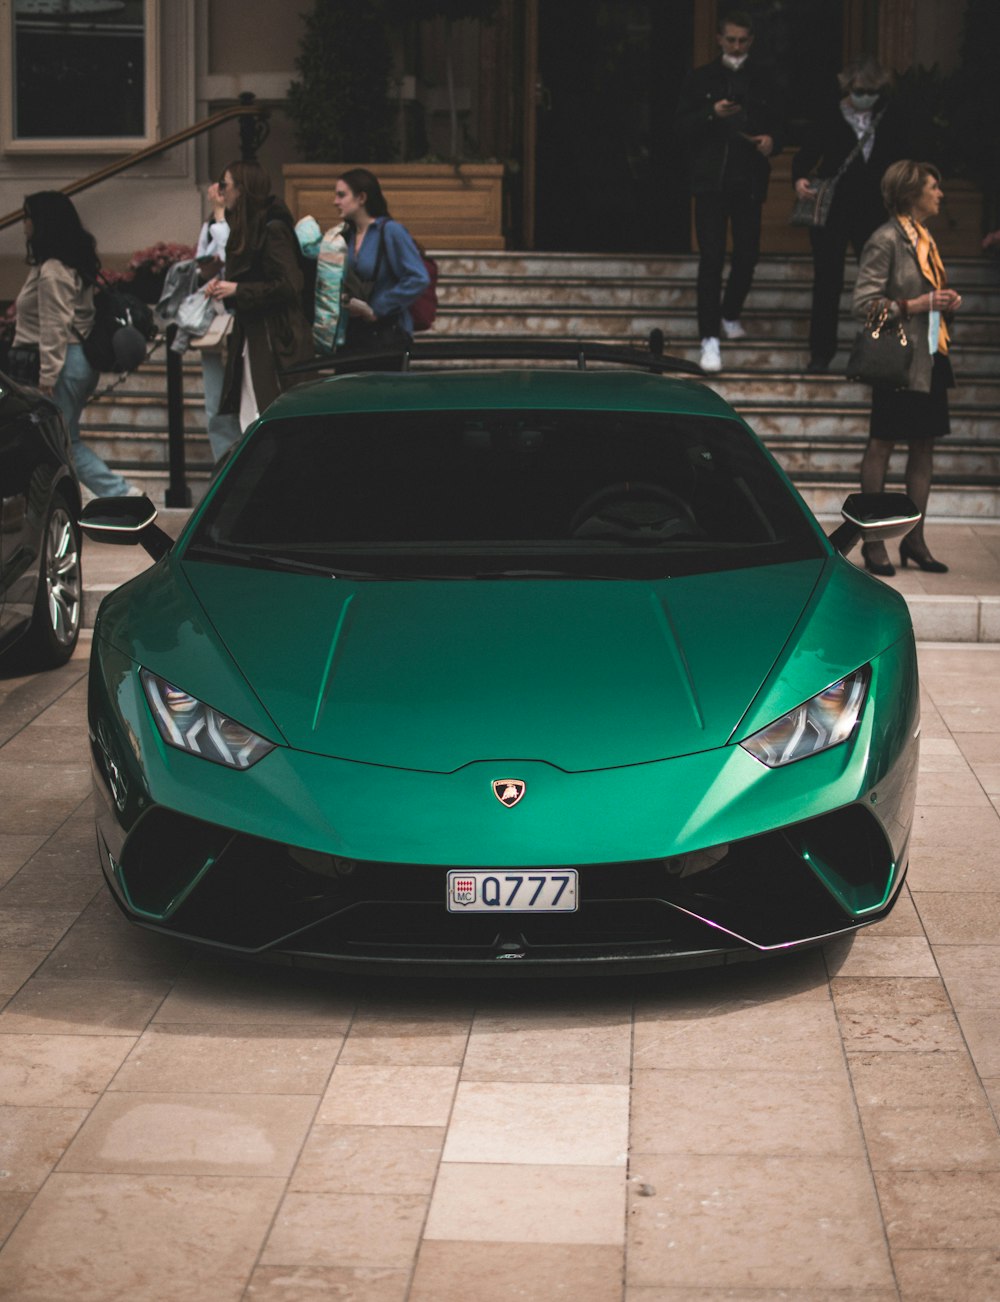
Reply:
x=825, y=720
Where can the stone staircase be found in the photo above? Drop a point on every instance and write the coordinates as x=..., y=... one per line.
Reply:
x=816, y=426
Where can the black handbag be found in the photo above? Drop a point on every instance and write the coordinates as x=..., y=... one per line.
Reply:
x=882, y=352
x=23, y=364
x=814, y=209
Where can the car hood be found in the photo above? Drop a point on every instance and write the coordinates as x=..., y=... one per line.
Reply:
x=435, y=675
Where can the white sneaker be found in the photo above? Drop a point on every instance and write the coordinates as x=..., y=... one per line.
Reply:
x=711, y=359
x=733, y=329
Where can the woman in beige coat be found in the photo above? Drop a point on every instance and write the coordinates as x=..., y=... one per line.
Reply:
x=901, y=269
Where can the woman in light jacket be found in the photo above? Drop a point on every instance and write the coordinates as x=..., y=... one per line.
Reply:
x=383, y=272
x=901, y=270
x=263, y=289
x=55, y=312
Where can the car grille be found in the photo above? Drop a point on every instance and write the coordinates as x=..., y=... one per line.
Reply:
x=239, y=891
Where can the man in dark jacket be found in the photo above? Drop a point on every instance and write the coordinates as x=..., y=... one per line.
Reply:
x=729, y=116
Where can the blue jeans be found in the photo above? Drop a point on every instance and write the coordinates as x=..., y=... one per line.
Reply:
x=223, y=428
x=77, y=381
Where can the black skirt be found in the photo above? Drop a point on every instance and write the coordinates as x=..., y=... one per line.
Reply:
x=899, y=415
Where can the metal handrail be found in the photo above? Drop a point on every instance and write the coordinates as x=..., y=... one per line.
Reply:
x=247, y=108
x=251, y=136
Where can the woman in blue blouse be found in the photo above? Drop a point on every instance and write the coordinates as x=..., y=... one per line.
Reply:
x=384, y=272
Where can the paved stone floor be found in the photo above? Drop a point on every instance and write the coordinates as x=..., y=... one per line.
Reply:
x=824, y=1127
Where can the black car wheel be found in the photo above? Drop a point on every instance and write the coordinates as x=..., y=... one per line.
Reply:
x=55, y=623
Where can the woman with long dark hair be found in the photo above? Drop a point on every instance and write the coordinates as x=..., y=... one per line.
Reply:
x=263, y=289
x=55, y=312
x=383, y=273
x=901, y=271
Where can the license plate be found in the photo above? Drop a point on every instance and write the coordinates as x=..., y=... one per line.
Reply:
x=543, y=890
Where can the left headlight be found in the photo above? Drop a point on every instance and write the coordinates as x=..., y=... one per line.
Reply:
x=187, y=723
x=825, y=720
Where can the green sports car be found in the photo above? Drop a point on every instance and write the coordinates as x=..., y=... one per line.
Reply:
x=529, y=668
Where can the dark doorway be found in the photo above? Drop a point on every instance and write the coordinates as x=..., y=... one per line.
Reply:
x=609, y=175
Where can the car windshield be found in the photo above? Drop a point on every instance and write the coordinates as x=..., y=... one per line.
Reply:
x=534, y=494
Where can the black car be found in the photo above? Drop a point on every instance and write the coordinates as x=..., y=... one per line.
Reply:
x=41, y=582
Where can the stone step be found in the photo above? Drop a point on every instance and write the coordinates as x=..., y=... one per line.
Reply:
x=650, y=293
x=947, y=502
x=123, y=447
x=954, y=463
x=552, y=321
x=627, y=267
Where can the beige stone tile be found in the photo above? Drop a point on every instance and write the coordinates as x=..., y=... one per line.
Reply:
x=928, y=1139
x=389, y=1096
x=71, y=1007
x=16, y=848
x=872, y=955
x=16, y=966
x=902, y=921
x=213, y=1059
x=947, y=1276
x=960, y=918
x=248, y=995
x=897, y=1015
x=33, y=928
x=784, y=978
x=192, y=1134
x=526, y=1203
x=744, y=1112
x=989, y=776
x=369, y=1159
x=941, y=754
x=32, y=1140
x=113, y=950
x=934, y=1210
x=545, y=1047
x=327, y=1283
x=971, y=974
x=527, y=1272
x=381, y=1038
x=764, y=1037
x=352, y=1230
x=955, y=789
x=943, y=1081
x=579, y=1125
x=979, y=747
x=981, y=1028
x=666, y=1294
x=99, y=1238
x=12, y=1208
x=69, y=1071
x=755, y=1222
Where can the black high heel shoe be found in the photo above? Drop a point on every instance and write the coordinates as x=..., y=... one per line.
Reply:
x=926, y=563
x=884, y=569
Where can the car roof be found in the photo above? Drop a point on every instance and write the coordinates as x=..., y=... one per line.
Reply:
x=500, y=389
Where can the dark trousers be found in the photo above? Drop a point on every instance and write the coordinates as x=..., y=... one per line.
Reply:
x=829, y=250
x=740, y=210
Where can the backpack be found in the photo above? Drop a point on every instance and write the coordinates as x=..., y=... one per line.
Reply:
x=423, y=310
x=123, y=325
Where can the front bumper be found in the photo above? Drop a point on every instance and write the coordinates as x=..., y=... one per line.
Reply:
x=319, y=860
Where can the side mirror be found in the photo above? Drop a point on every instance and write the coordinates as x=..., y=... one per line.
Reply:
x=874, y=517
x=125, y=521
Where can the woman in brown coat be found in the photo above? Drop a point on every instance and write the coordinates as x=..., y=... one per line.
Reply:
x=263, y=290
x=901, y=270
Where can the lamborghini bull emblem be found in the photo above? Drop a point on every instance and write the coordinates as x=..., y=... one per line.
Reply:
x=508, y=791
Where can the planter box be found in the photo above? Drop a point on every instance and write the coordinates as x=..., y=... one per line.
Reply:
x=442, y=207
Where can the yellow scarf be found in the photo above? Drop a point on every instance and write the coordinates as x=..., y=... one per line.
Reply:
x=929, y=261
